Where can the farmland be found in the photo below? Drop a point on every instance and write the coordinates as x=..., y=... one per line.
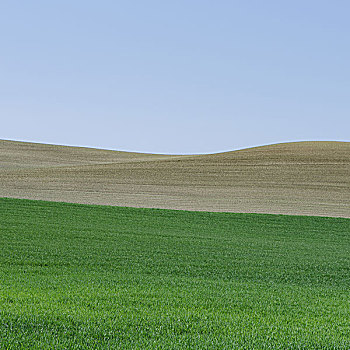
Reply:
x=76, y=276
x=300, y=178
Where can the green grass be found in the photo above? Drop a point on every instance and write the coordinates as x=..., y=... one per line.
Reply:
x=94, y=277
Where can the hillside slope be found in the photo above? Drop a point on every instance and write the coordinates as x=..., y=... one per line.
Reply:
x=304, y=178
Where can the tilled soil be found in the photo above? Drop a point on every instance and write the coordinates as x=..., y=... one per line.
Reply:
x=302, y=178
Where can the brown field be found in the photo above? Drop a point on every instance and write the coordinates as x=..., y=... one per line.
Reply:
x=306, y=178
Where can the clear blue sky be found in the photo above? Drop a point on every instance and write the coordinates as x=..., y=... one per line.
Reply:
x=179, y=76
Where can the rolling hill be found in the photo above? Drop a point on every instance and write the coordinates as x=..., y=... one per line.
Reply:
x=301, y=178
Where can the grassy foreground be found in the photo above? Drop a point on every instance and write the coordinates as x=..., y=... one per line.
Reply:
x=93, y=277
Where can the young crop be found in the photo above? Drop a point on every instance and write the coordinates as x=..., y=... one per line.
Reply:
x=97, y=277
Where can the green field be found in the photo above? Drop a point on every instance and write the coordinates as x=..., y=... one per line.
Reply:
x=95, y=277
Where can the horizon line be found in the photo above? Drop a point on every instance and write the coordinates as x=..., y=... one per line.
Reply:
x=173, y=154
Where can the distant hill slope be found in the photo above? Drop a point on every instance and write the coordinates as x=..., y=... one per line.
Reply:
x=304, y=178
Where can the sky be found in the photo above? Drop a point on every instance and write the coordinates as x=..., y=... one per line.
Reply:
x=185, y=76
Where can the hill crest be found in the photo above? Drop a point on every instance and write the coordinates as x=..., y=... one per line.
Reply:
x=306, y=178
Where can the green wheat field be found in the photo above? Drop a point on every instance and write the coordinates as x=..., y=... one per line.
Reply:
x=98, y=277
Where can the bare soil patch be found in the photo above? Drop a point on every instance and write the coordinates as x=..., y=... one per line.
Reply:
x=303, y=178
